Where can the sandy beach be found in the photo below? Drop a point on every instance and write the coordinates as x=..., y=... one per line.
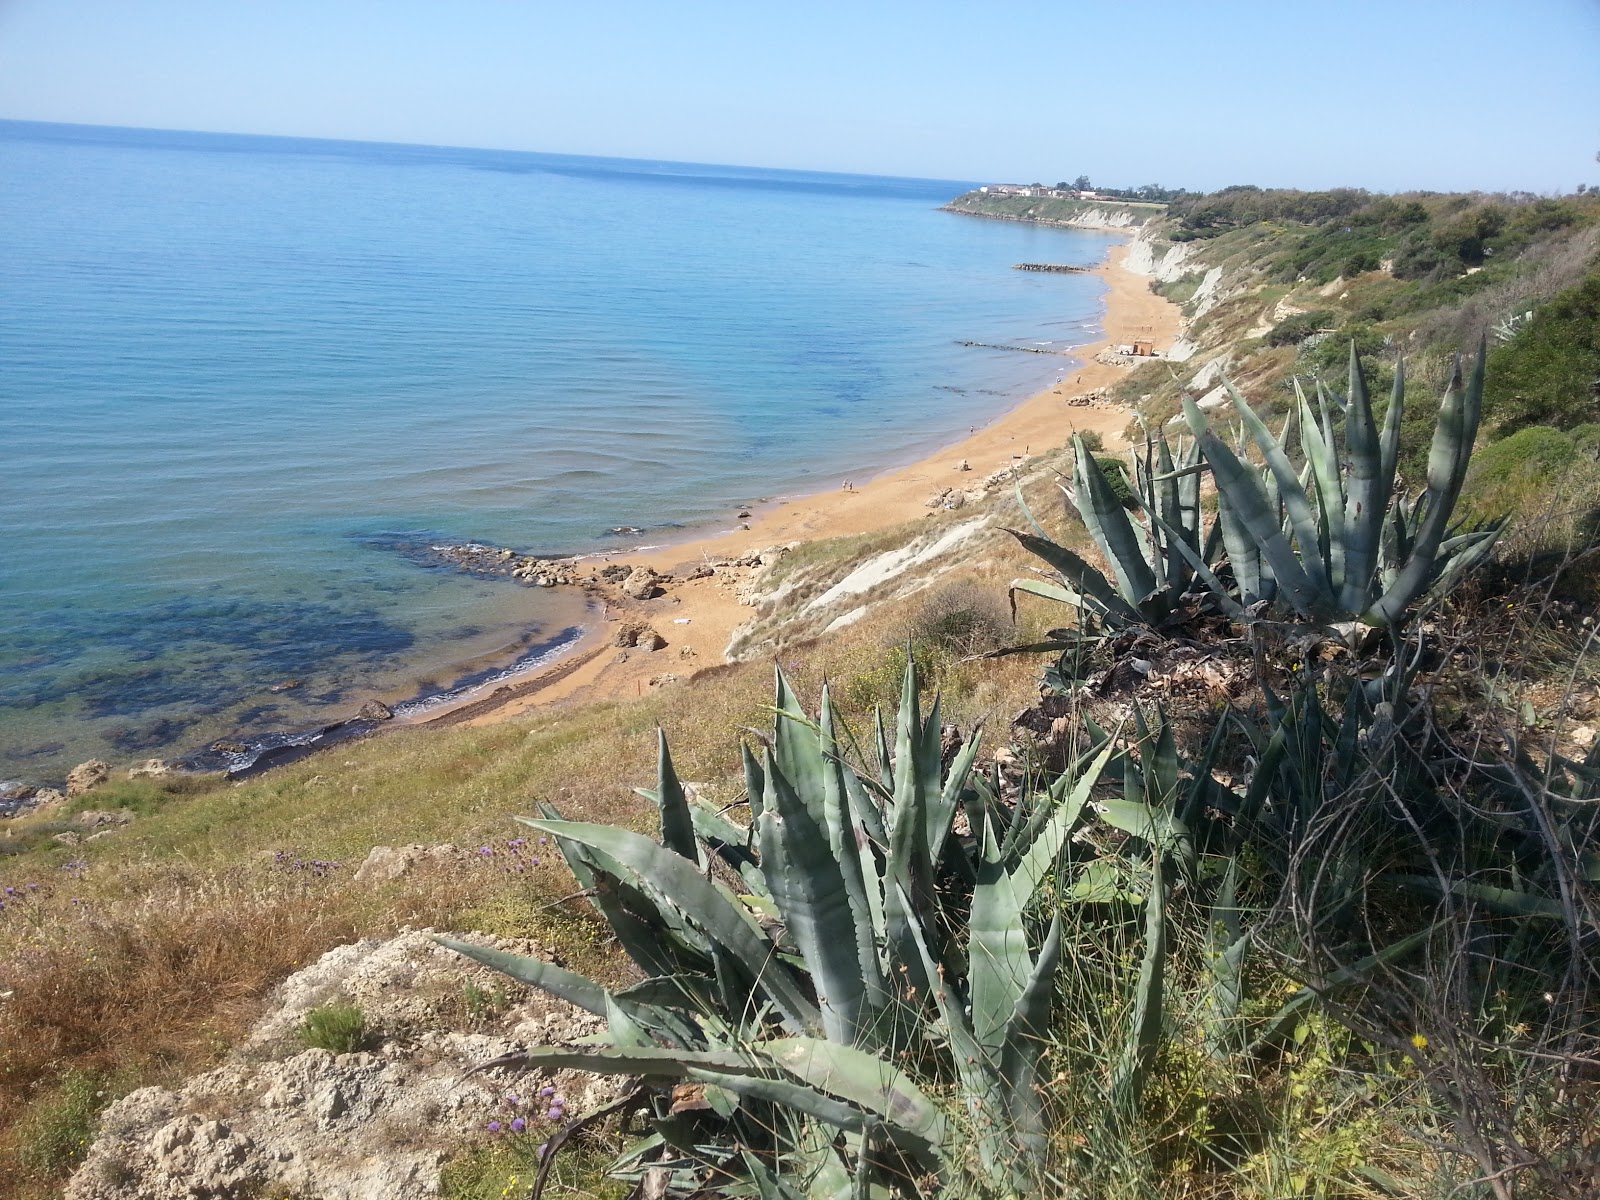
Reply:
x=697, y=617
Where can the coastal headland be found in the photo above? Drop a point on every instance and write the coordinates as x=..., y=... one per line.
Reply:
x=700, y=611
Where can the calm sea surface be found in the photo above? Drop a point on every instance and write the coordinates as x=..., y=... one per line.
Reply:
x=240, y=375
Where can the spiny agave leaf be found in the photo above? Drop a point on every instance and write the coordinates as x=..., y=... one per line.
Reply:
x=677, y=826
x=655, y=1062
x=1085, y=578
x=1510, y=901
x=1244, y=556
x=910, y=860
x=1292, y=493
x=811, y=896
x=1447, y=462
x=1047, y=590
x=1000, y=963
x=645, y=931
x=1246, y=497
x=1043, y=852
x=844, y=846
x=1144, y=1032
x=1389, y=440
x=863, y=1079
x=1197, y=564
x=1108, y=523
x=768, y=1185
x=981, y=1089
x=880, y=740
x=559, y=982
x=796, y=749
x=1100, y=882
x=1365, y=505
x=1023, y=1048
x=702, y=902
x=755, y=783
x=1323, y=459
x=1227, y=944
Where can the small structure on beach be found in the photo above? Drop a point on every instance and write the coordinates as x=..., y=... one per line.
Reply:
x=1143, y=348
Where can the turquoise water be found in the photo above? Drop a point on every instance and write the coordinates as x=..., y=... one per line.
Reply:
x=237, y=372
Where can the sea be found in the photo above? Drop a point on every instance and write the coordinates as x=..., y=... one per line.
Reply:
x=247, y=384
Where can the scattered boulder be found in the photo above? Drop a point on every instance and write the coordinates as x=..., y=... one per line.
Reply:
x=375, y=710
x=703, y=571
x=384, y=864
x=87, y=775
x=151, y=768
x=641, y=584
x=101, y=819
x=615, y=573
x=46, y=799
x=649, y=639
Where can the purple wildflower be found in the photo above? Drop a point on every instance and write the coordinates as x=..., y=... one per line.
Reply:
x=544, y=1148
x=494, y=1126
x=554, y=1114
x=518, y=1125
x=547, y=1091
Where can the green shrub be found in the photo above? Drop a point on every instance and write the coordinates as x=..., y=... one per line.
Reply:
x=1093, y=440
x=338, y=1026
x=56, y=1136
x=1549, y=374
x=1295, y=329
x=1116, y=474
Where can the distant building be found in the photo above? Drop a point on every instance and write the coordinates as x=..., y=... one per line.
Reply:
x=1143, y=349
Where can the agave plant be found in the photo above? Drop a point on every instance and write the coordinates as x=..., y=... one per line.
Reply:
x=1156, y=560
x=833, y=972
x=1346, y=548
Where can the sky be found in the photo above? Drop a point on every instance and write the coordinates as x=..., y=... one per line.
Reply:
x=1384, y=94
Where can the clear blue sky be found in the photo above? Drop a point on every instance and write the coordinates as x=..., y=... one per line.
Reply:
x=1385, y=94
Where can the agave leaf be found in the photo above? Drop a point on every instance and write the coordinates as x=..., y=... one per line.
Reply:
x=796, y=749
x=677, y=825
x=1512, y=902
x=1227, y=944
x=647, y=932
x=1081, y=575
x=1144, y=1031
x=809, y=889
x=1292, y=493
x=1323, y=460
x=656, y=1062
x=1049, y=591
x=863, y=1079
x=702, y=902
x=1244, y=556
x=755, y=784
x=845, y=845
x=559, y=982
x=1243, y=489
x=1023, y=1047
x=1066, y=806
x=1453, y=436
x=980, y=1084
x=1111, y=529
x=1365, y=504
x=1389, y=440
x=768, y=1185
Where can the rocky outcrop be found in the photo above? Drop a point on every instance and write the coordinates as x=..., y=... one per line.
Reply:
x=87, y=775
x=278, y=1119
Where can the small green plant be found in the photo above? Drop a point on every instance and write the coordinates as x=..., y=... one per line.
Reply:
x=482, y=1003
x=57, y=1134
x=338, y=1026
